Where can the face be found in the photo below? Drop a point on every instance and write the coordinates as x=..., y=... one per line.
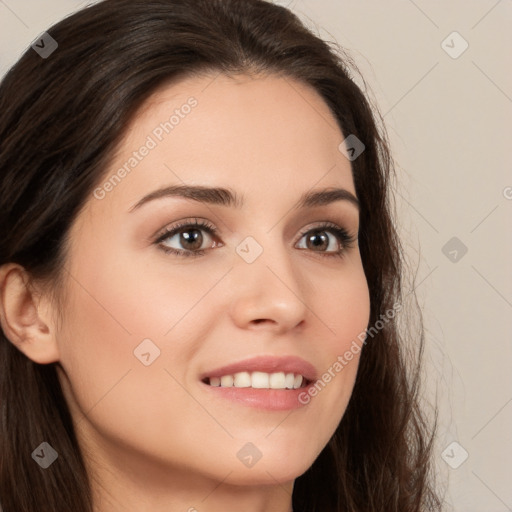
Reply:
x=170, y=293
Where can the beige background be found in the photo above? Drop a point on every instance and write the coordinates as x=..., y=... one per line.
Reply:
x=449, y=122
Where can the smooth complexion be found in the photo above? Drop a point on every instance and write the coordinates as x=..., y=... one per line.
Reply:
x=153, y=437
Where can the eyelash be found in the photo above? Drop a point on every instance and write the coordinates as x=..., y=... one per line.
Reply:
x=347, y=240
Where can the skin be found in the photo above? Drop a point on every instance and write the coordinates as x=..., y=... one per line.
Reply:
x=152, y=439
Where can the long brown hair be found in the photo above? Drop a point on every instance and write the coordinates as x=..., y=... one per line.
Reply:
x=61, y=119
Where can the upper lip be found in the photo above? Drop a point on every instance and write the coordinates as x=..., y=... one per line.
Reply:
x=267, y=364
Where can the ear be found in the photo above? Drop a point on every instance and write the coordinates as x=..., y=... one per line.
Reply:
x=25, y=316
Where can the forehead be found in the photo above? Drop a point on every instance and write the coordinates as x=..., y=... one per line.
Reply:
x=263, y=105
x=265, y=136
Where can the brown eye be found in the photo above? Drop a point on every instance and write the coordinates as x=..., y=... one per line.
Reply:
x=328, y=240
x=317, y=240
x=188, y=239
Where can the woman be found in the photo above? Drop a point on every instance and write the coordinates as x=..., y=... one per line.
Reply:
x=199, y=271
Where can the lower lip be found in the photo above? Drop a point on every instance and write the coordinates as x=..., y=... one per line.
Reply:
x=269, y=399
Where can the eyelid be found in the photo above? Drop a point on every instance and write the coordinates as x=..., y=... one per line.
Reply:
x=184, y=223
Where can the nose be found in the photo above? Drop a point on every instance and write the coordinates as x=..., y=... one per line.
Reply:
x=268, y=293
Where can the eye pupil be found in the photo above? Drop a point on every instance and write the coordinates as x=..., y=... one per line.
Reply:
x=195, y=240
x=318, y=239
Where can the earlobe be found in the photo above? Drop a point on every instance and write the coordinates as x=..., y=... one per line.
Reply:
x=25, y=317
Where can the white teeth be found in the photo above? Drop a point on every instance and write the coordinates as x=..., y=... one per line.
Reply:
x=215, y=381
x=226, y=381
x=242, y=380
x=277, y=381
x=259, y=380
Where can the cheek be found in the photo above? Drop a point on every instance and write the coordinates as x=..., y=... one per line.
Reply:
x=115, y=322
x=119, y=371
x=147, y=296
x=345, y=308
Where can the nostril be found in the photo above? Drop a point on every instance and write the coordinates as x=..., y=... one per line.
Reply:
x=263, y=320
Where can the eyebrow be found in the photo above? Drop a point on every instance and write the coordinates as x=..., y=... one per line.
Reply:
x=227, y=197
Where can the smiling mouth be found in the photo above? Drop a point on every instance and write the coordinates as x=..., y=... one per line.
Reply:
x=259, y=380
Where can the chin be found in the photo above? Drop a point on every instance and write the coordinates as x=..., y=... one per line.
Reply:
x=270, y=471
